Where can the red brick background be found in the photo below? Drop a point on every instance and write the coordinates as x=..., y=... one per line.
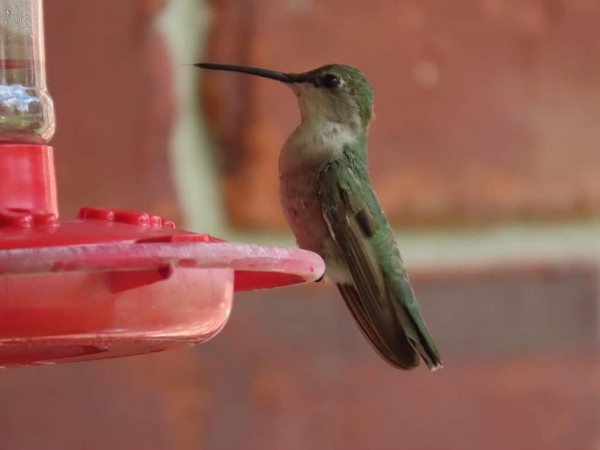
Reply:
x=110, y=75
x=292, y=371
x=485, y=109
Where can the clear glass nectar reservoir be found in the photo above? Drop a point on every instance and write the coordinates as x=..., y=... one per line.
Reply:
x=26, y=109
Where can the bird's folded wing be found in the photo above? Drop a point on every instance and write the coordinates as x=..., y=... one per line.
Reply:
x=355, y=230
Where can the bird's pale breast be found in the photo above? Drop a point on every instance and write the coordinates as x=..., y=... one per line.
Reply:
x=301, y=204
x=300, y=162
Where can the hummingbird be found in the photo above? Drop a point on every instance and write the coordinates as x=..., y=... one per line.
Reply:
x=330, y=205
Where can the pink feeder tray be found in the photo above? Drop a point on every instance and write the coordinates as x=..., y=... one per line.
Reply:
x=114, y=282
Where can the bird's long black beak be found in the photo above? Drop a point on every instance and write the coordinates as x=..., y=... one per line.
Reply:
x=264, y=73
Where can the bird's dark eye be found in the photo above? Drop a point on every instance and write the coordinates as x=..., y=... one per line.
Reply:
x=330, y=81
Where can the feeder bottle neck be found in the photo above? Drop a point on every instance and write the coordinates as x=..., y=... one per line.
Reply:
x=26, y=109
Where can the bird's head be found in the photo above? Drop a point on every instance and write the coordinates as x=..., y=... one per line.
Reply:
x=335, y=92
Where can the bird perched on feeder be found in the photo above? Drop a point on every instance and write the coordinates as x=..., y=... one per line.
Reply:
x=330, y=205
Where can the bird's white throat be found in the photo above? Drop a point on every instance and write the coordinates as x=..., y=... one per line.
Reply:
x=316, y=142
x=321, y=136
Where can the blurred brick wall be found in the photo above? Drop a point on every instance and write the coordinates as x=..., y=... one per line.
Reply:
x=485, y=109
x=291, y=370
x=109, y=73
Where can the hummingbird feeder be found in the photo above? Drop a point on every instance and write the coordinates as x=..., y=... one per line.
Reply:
x=110, y=282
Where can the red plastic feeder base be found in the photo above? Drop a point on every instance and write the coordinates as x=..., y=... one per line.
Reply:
x=114, y=282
